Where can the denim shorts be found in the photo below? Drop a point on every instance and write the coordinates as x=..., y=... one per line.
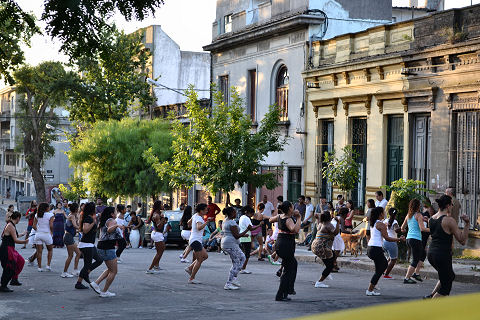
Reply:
x=107, y=255
x=391, y=248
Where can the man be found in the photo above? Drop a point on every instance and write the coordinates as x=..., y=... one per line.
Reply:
x=456, y=206
x=212, y=212
x=267, y=214
x=127, y=218
x=307, y=221
x=381, y=202
x=237, y=207
x=100, y=207
x=139, y=214
x=340, y=203
x=301, y=207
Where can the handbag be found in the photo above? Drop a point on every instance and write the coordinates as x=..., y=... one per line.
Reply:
x=109, y=236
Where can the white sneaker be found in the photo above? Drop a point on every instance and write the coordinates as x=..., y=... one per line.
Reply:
x=181, y=256
x=372, y=293
x=184, y=261
x=40, y=270
x=140, y=247
x=193, y=281
x=107, y=294
x=120, y=261
x=150, y=271
x=276, y=263
x=95, y=287
x=245, y=271
x=76, y=273
x=230, y=286
x=320, y=284
x=235, y=282
x=48, y=269
x=30, y=264
x=66, y=275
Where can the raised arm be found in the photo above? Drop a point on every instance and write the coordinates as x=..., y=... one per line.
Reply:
x=419, y=218
x=460, y=235
x=294, y=227
x=383, y=230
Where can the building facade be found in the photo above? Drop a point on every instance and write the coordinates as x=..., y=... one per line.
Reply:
x=261, y=48
x=406, y=97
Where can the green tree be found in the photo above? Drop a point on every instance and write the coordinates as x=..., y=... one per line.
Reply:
x=111, y=152
x=343, y=171
x=113, y=80
x=43, y=88
x=219, y=148
x=16, y=26
x=75, y=190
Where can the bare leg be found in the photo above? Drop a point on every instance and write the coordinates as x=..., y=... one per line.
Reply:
x=39, y=254
x=70, y=250
x=419, y=266
x=410, y=271
x=160, y=247
x=49, y=254
x=186, y=252
x=111, y=272
x=201, y=256
x=391, y=264
x=260, y=248
x=77, y=257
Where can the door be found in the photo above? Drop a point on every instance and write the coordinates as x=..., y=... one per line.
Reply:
x=324, y=144
x=294, y=184
x=468, y=163
x=394, y=149
x=358, y=136
x=422, y=134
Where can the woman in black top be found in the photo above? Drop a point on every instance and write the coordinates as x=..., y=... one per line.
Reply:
x=186, y=230
x=88, y=228
x=158, y=223
x=288, y=225
x=442, y=229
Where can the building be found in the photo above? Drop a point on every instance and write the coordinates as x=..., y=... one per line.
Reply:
x=261, y=48
x=406, y=96
x=15, y=177
x=416, y=9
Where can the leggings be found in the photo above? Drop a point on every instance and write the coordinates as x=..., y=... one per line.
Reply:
x=376, y=254
x=329, y=263
x=442, y=262
x=238, y=258
x=416, y=248
x=285, y=248
x=122, y=244
x=89, y=254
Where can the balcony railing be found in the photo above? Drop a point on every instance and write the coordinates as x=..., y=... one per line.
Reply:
x=282, y=102
x=5, y=106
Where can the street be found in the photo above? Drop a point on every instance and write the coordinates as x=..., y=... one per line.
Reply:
x=167, y=295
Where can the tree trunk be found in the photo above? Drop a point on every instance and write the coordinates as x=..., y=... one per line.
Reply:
x=38, y=180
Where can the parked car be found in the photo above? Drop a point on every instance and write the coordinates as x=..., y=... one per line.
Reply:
x=174, y=232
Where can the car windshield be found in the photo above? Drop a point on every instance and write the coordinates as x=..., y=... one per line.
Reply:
x=173, y=215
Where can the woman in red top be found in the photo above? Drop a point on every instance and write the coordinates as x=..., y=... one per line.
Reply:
x=351, y=214
x=30, y=215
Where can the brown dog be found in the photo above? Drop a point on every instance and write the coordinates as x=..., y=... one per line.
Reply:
x=353, y=242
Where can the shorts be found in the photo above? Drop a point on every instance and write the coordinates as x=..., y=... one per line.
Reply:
x=391, y=248
x=157, y=236
x=107, y=255
x=185, y=234
x=31, y=239
x=68, y=239
x=246, y=248
x=196, y=246
x=43, y=238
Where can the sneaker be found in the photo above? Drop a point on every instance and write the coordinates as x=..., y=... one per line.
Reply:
x=409, y=281
x=235, y=282
x=40, y=270
x=76, y=273
x=150, y=271
x=5, y=289
x=158, y=268
x=193, y=281
x=15, y=282
x=320, y=284
x=181, y=256
x=120, y=261
x=245, y=271
x=187, y=270
x=184, y=261
x=140, y=247
x=372, y=293
x=66, y=275
x=107, y=294
x=417, y=277
x=276, y=263
x=48, y=269
x=388, y=277
x=230, y=286
x=95, y=287
x=80, y=286
x=430, y=296
x=269, y=257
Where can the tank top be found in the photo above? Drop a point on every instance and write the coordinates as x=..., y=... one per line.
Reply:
x=70, y=228
x=43, y=223
x=8, y=240
x=441, y=241
x=89, y=237
x=413, y=229
x=155, y=226
x=282, y=225
x=376, y=239
x=391, y=231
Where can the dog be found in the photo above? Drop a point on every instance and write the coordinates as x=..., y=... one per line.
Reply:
x=353, y=242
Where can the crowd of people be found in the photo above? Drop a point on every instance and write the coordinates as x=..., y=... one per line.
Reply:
x=266, y=232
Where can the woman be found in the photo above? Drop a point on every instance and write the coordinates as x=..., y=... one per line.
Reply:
x=158, y=222
x=71, y=228
x=375, y=247
x=30, y=215
x=134, y=225
x=427, y=214
x=351, y=214
x=370, y=206
x=338, y=243
x=256, y=232
x=195, y=241
x=322, y=246
x=88, y=228
x=106, y=251
x=442, y=229
x=43, y=225
x=59, y=225
x=231, y=245
x=121, y=242
x=289, y=222
x=414, y=220
x=391, y=247
x=12, y=262
x=245, y=224
x=186, y=230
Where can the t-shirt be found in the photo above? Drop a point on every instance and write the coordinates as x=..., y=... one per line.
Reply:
x=228, y=240
x=196, y=235
x=338, y=206
x=382, y=203
x=43, y=224
x=128, y=217
x=243, y=224
x=301, y=208
x=89, y=237
x=269, y=238
x=321, y=206
x=212, y=208
x=309, y=210
x=120, y=222
x=30, y=216
x=99, y=209
x=267, y=212
x=368, y=214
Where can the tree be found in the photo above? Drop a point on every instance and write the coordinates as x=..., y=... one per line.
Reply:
x=342, y=171
x=113, y=80
x=111, y=152
x=44, y=88
x=75, y=190
x=218, y=149
x=16, y=27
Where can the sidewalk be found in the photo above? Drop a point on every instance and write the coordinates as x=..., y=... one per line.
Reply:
x=464, y=269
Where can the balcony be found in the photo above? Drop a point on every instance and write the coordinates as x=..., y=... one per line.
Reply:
x=5, y=106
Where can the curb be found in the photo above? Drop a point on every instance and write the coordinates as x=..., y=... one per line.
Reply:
x=397, y=270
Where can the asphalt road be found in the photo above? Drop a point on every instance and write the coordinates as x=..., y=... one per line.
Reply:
x=168, y=296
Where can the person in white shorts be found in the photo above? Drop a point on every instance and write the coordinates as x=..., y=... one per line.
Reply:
x=43, y=226
x=158, y=221
x=186, y=231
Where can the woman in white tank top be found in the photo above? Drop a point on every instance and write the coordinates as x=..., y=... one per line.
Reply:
x=43, y=225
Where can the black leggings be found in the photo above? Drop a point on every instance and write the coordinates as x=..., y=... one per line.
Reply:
x=89, y=254
x=122, y=244
x=329, y=263
x=376, y=254
x=285, y=248
x=442, y=262
x=416, y=248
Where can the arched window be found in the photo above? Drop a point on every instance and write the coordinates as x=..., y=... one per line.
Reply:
x=281, y=97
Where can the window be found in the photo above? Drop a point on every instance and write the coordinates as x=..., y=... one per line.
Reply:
x=252, y=96
x=224, y=88
x=227, y=23
x=281, y=97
